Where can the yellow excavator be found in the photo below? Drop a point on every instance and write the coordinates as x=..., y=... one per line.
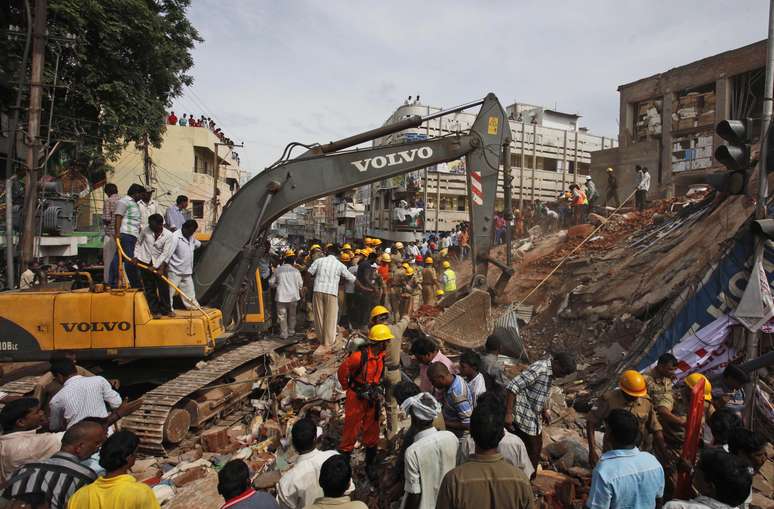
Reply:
x=100, y=323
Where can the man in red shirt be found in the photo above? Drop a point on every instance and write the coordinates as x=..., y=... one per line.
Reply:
x=361, y=376
x=172, y=119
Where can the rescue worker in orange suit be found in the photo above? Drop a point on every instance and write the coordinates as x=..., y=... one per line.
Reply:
x=361, y=375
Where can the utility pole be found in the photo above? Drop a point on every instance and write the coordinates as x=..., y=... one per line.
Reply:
x=146, y=160
x=216, y=178
x=760, y=208
x=33, y=132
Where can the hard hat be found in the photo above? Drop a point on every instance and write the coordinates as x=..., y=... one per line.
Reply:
x=444, y=251
x=428, y=260
x=387, y=250
x=588, y=177
x=386, y=258
x=405, y=265
x=358, y=252
x=399, y=245
x=289, y=252
x=633, y=383
x=345, y=257
x=328, y=245
x=692, y=379
x=379, y=310
x=409, y=271
x=419, y=259
x=376, y=242
x=346, y=246
x=368, y=241
x=367, y=251
x=380, y=332
x=439, y=293
x=610, y=170
x=314, y=246
x=446, y=264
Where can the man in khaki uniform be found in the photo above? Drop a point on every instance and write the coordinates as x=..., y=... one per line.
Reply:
x=429, y=282
x=631, y=395
x=397, y=276
x=660, y=380
x=380, y=314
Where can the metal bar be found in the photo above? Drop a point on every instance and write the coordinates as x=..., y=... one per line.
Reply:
x=508, y=206
x=760, y=209
x=455, y=109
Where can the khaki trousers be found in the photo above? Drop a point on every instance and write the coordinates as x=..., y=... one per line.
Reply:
x=286, y=316
x=326, y=309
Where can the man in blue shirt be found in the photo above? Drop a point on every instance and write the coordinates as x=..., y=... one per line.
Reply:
x=458, y=400
x=625, y=477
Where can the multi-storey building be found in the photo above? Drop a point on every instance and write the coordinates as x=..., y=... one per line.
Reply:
x=549, y=152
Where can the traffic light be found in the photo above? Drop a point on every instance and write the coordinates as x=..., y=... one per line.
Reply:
x=735, y=154
x=763, y=228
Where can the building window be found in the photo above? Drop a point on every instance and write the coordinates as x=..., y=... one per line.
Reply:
x=198, y=209
x=461, y=201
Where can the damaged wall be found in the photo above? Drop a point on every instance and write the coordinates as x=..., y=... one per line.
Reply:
x=623, y=161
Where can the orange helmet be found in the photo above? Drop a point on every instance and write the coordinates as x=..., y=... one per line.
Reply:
x=633, y=383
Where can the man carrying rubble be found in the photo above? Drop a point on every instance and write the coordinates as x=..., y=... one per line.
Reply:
x=632, y=396
x=361, y=375
x=527, y=397
x=381, y=315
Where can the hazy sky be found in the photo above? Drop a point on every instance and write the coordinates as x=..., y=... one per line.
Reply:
x=272, y=72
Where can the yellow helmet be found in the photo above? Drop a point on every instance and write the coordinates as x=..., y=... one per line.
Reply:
x=290, y=252
x=358, y=251
x=428, y=261
x=346, y=246
x=633, y=383
x=367, y=251
x=610, y=170
x=345, y=257
x=379, y=310
x=314, y=246
x=446, y=264
x=368, y=241
x=399, y=245
x=409, y=271
x=444, y=251
x=438, y=293
x=380, y=332
x=386, y=258
x=376, y=242
x=405, y=265
x=692, y=379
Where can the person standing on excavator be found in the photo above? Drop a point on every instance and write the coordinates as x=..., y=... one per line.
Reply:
x=448, y=278
x=380, y=315
x=361, y=376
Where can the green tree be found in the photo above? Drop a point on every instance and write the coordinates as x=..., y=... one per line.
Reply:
x=121, y=62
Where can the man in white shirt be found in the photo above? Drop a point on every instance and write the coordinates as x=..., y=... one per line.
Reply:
x=27, y=278
x=127, y=226
x=80, y=396
x=288, y=282
x=327, y=272
x=470, y=369
x=643, y=186
x=148, y=206
x=181, y=263
x=154, y=249
x=300, y=486
x=20, y=442
x=430, y=457
x=176, y=214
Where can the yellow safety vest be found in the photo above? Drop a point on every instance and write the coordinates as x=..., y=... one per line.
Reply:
x=451, y=281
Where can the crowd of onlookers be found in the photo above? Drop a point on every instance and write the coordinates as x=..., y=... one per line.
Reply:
x=190, y=120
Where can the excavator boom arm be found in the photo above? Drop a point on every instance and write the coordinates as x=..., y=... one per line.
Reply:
x=283, y=187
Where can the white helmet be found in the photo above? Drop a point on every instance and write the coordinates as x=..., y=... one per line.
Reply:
x=387, y=250
x=588, y=177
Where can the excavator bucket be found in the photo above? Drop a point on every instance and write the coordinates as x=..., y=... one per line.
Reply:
x=467, y=322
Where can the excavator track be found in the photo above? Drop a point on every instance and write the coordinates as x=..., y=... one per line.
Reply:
x=21, y=387
x=149, y=420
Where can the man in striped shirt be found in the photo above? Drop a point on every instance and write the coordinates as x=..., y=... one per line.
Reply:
x=327, y=272
x=61, y=475
x=127, y=229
